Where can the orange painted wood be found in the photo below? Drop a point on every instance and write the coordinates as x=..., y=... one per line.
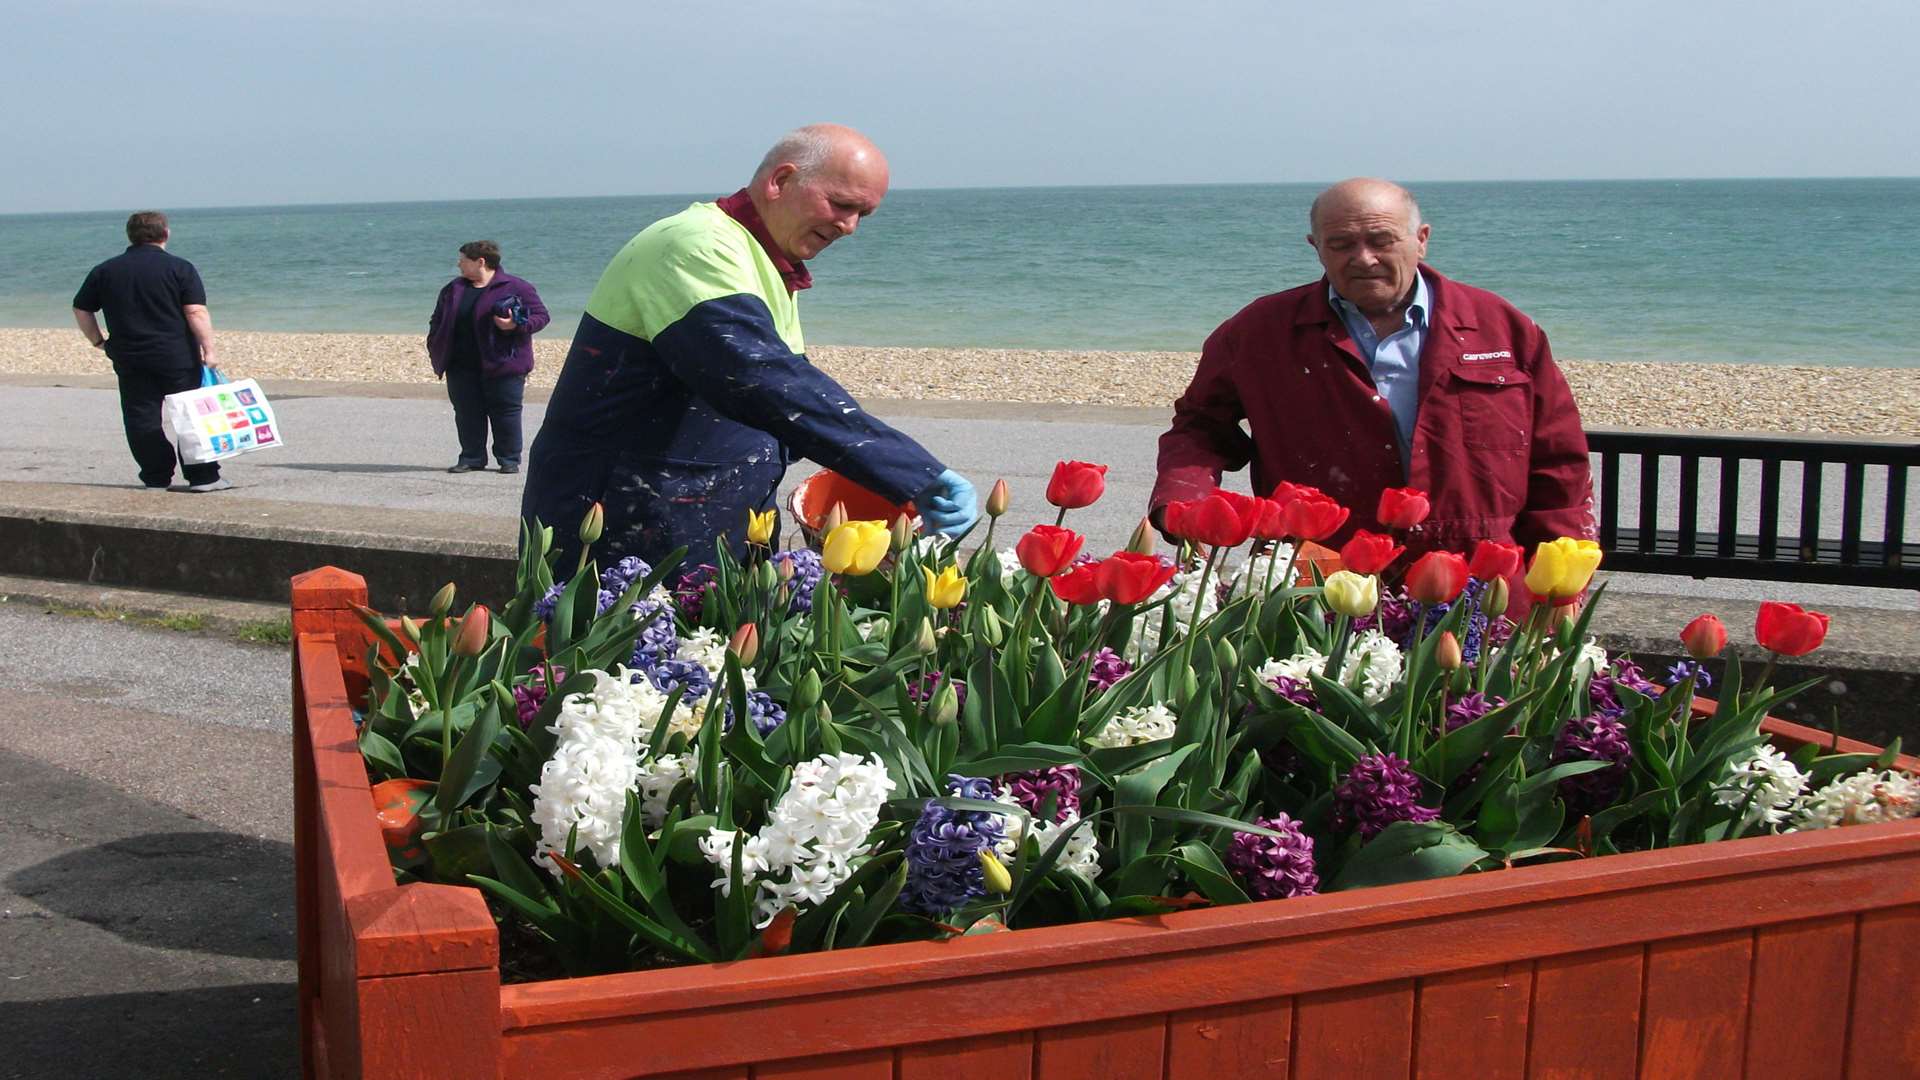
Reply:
x=1883, y=1038
x=1359, y=1033
x=1585, y=1021
x=415, y=1026
x=1693, y=1020
x=422, y=928
x=1473, y=1024
x=868, y=1065
x=1006, y=1056
x=737, y=1072
x=1130, y=1049
x=1802, y=974
x=1250, y=1040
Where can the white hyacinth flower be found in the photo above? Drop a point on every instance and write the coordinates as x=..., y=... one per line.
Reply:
x=657, y=779
x=1773, y=782
x=1592, y=659
x=1374, y=664
x=1184, y=588
x=1140, y=724
x=1861, y=799
x=602, y=734
x=814, y=835
x=1081, y=856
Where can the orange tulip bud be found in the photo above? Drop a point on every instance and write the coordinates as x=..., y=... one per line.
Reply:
x=745, y=643
x=998, y=499
x=471, y=639
x=1446, y=651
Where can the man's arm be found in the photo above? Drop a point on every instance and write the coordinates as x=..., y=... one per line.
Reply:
x=89, y=328
x=1559, y=477
x=202, y=325
x=728, y=352
x=1205, y=438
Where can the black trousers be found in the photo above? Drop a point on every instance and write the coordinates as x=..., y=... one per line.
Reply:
x=141, y=393
x=479, y=401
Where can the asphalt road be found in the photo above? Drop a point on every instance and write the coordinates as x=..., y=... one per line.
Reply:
x=146, y=871
x=389, y=446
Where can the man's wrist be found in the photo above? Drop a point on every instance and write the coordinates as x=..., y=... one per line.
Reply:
x=98, y=343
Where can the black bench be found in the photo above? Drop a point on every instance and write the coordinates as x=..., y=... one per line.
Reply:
x=1643, y=539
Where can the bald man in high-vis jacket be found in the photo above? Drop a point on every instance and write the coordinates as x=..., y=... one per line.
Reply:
x=688, y=390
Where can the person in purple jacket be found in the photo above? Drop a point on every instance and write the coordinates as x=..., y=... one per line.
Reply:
x=480, y=340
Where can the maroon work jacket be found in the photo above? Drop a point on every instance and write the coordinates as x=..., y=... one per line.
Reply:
x=1497, y=442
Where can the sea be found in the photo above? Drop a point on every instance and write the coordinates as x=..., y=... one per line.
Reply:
x=1742, y=271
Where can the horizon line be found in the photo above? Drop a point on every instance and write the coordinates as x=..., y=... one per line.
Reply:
x=980, y=187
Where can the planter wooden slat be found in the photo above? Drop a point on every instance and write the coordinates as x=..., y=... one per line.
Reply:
x=1360, y=1032
x=1695, y=1005
x=1472, y=1025
x=1736, y=942
x=1794, y=965
x=1000, y=1057
x=1883, y=1033
x=868, y=1065
x=1128, y=1049
x=1585, y=1020
x=1249, y=1040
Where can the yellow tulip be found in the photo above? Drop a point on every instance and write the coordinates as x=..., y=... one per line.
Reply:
x=1353, y=595
x=1561, y=568
x=856, y=547
x=945, y=589
x=995, y=873
x=760, y=527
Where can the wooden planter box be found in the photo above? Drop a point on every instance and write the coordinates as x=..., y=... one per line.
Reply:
x=1772, y=957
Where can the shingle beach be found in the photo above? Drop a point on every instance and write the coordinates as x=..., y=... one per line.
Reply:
x=1703, y=397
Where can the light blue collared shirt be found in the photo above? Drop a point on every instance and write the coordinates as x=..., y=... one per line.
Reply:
x=1393, y=360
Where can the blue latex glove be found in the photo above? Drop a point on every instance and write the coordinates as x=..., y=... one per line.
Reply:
x=949, y=507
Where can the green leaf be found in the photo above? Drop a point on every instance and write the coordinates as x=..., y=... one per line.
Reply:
x=376, y=748
x=863, y=921
x=513, y=869
x=1142, y=788
x=462, y=777
x=811, y=928
x=1208, y=874
x=625, y=914
x=1409, y=851
x=457, y=853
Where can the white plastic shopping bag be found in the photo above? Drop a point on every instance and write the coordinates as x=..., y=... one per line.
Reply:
x=215, y=422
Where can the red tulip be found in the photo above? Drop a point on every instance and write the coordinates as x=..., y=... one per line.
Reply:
x=1704, y=637
x=1214, y=520
x=1437, y=577
x=1076, y=484
x=1369, y=552
x=1078, y=585
x=1310, y=515
x=1788, y=629
x=1492, y=559
x=1127, y=578
x=1047, y=549
x=1403, y=508
x=1287, y=491
x=1266, y=520
x=471, y=638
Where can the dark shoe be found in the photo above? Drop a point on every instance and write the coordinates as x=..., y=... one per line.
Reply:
x=155, y=487
x=509, y=469
x=460, y=467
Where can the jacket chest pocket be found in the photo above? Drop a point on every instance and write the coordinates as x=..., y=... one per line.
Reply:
x=1496, y=406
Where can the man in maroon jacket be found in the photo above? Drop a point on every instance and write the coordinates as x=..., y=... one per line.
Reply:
x=1386, y=374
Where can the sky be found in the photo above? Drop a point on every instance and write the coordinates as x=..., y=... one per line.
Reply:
x=114, y=104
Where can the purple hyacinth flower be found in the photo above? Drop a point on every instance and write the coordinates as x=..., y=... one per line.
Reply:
x=1379, y=790
x=690, y=591
x=1470, y=708
x=765, y=713
x=1298, y=691
x=1274, y=868
x=1031, y=789
x=807, y=571
x=943, y=851
x=921, y=691
x=620, y=577
x=528, y=697
x=1108, y=668
x=1697, y=670
x=1593, y=738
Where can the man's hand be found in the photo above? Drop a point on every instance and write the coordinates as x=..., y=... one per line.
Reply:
x=504, y=322
x=949, y=506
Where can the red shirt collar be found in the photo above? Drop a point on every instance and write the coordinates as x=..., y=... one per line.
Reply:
x=739, y=207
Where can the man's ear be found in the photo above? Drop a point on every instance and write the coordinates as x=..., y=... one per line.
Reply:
x=780, y=179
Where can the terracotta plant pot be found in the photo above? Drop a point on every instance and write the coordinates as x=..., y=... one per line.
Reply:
x=1774, y=956
x=813, y=499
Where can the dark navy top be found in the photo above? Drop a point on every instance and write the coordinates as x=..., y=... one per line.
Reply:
x=142, y=292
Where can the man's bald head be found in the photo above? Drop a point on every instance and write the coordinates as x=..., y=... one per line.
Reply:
x=815, y=185
x=809, y=149
x=1363, y=193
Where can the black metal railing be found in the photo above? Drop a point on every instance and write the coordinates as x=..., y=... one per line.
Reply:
x=1637, y=540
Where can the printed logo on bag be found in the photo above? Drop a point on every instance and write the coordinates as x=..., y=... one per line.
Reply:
x=204, y=406
x=226, y=401
x=245, y=396
x=263, y=435
x=244, y=440
x=213, y=425
x=237, y=420
x=257, y=415
x=223, y=444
